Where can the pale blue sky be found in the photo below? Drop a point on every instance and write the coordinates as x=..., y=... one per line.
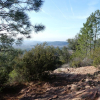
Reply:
x=62, y=18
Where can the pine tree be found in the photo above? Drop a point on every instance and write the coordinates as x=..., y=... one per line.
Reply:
x=14, y=19
x=89, y=33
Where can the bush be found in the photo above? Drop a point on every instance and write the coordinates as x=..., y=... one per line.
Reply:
x=78, y=59
x=96, y=57
x=87, y=61
x=39, y=61
x=19, y=73
x=96, y=62
x=3, y=75
x=7, y=63
x=64, y=54
x=16, y=76
x=77, y=62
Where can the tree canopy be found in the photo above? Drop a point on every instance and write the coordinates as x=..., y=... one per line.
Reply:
x=88, y=39
x=14, y=19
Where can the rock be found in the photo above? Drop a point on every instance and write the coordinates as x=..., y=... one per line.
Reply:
x=55, y=96
x=64, y=92
x=48, y=89
x=87, y=86
x=73, y=87
x=80, y=92
x=50, y=99
x=46, y=85
x=76, y=99
x=23, y=90
x=86, y=79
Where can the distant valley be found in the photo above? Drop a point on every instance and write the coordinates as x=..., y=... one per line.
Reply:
x=28, y=45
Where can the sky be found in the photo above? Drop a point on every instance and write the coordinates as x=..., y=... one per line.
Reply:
x=62, y=18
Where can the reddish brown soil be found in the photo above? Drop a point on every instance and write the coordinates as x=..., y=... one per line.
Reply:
x=65, y=84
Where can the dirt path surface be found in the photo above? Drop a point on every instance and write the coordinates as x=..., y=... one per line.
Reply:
x=65, y=84
x=80, y=70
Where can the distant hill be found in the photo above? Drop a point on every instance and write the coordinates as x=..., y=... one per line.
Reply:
x=58, y=43
x=28, y=45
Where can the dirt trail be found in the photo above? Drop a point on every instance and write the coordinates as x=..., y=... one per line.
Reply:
x=65, y=84
x=80, y=70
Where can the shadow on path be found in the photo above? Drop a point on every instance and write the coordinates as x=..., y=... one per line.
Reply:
x=61, y=86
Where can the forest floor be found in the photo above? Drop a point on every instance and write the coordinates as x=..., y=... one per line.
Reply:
x=65, y=84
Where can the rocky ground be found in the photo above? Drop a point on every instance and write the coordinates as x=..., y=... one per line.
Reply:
x=65, y=84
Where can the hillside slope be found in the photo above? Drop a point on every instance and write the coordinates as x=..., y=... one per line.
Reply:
x=65, y=84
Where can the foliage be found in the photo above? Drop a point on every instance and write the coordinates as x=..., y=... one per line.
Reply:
x=64, y=54
x=72, y=43
x=79, y=59
x=96, y=57
x=15, y=20
x=16, y=76
x=89, y=33
x=7, y=62
x=87, y=41
x=76, y=59
x=77, y=62
x=38, y=61
x=3, y=75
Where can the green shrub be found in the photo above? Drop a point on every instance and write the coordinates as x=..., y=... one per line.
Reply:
x=64, y=54
x=16, y=76
x=96, y=57
x=38, y=61
x=96, y=62
x=19, y=73
x=7, y=63
x=3, y=75
x=87, y=61
x=76, y=62
x=78, y=59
